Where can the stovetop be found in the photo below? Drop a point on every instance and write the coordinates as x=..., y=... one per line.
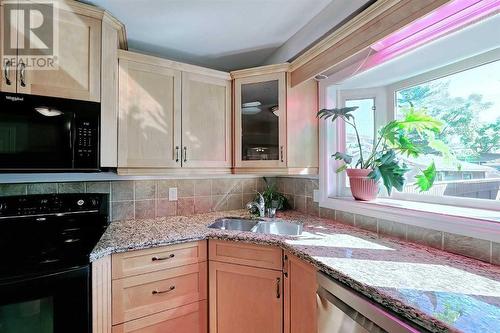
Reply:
x=48, y=233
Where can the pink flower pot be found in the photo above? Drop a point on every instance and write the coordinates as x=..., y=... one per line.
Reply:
x=362, y=187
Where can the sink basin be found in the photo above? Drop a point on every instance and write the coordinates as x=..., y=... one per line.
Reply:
x=230, y=223
x=278, y=228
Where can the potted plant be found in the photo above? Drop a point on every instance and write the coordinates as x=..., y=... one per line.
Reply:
x=397, y=138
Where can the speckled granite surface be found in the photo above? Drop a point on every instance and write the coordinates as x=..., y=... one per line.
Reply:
x=436, y=290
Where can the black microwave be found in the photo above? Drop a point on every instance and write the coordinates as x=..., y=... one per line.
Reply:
x=39, y=133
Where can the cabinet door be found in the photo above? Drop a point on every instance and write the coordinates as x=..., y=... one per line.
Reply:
x=300, y=296
x=206, y=121
x=260, y=121
x=8, y=70
x=78, y=51
x=245, y=299
x=149, y=116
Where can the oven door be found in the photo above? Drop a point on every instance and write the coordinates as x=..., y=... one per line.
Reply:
x=54, y=303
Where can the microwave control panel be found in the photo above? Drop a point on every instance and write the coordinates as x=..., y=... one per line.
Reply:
x=86, y=144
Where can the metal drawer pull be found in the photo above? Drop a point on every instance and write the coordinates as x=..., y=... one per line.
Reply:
x=278, y=289
x=162, y=258
x=157, y=292
x=185, y=154
x=281, y=150
x=22, y=74
x=6, y=72
x=176, y=154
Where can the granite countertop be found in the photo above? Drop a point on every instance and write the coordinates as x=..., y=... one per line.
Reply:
x=436, y=290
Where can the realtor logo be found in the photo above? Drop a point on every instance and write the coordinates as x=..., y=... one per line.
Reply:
x=30, y=34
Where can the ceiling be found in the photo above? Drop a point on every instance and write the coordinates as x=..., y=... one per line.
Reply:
x=221, y=34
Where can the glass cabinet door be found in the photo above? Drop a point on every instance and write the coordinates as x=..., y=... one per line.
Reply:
x=261, y=112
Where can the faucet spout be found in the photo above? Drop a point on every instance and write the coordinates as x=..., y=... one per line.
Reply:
x=261, y=205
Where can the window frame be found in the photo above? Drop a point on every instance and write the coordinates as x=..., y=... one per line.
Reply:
x=330, y=136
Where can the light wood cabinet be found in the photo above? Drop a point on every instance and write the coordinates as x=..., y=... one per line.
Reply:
x=76, y=69
x=206, y=121
x=149, y=133
x=300, y=315
x=275, y=125
x=245, y=299
x=172, y=117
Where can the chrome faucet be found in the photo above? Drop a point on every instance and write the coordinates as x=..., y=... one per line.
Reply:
x=261, y=205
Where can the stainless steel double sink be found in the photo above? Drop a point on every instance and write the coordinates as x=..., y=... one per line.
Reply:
x=257, y=226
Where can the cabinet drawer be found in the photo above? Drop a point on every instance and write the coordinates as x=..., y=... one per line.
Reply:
x=142, y=295
x=246, y=254
x=151, y=260
x=191, y=318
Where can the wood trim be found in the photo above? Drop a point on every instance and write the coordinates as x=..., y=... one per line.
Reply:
x=378, y=21
x=152, y=60
x=101, y=295
x=262, y=256
x=172, y=171
x=261, y=70
x=276, y=171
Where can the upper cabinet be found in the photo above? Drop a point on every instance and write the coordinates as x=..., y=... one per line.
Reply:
x=275, y=126
x=173, y=117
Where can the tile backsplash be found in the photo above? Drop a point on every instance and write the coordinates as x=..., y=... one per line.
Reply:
x=150, y=198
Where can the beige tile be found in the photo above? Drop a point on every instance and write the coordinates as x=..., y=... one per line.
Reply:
x=185, y=206
x=247, y=197
x=122, y=190
x=164, y=185
x=424, y=236
x=280, y=184
x=71, y=187
x=98, y=187
x=226, y=186
x=203, y=187
x=164, y=207
x=344, y=217
x=202, y=204
x=393, y=229
x=123, y=210
x=145, y=189
x=43, y=188
x=234, y=201
x=495, y=254
x=300, y=187
x=300, y=203
x=185, y=188
x=365, y=222
x=145, y=209
x=311, y=185
x=219, y=203
x=249, y=186
x=312, y=207
x=467, y=246
x=327, y=213
x=289, y=185
x=291, y=200
x=12, y=189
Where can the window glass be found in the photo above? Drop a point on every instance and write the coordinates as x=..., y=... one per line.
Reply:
x=365, y=122
x=468, y=105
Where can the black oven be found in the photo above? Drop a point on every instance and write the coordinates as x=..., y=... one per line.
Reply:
x=40, y=133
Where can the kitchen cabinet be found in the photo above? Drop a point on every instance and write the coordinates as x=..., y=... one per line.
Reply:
x=275, y=125
x=300, y=315
x=172, y=117
x=245, y=287
x=77, y=49
x=161, y=289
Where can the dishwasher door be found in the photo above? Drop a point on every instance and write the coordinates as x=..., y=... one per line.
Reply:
x=340, y=310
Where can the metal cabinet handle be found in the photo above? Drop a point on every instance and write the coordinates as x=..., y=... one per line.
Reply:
x=163, y=258
x=157, y=292
x=278, y=289
x=281, y=151
x=185, y=154
x=22, y=73
x=285, y=265
x=6, y=72
x=176, y=154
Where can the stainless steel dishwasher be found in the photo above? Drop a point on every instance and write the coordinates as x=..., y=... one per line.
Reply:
x=340, y=310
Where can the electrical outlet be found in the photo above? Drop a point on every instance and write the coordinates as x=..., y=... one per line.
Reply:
x=172, y=194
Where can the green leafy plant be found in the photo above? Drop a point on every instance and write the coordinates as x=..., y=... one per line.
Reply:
x=272, y=197
x=397, y=138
